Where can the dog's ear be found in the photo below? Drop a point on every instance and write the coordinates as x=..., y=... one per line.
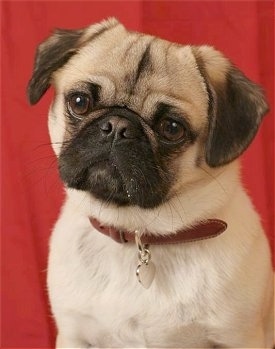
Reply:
x=236, y=107
x=51, y=55
x=55, y=51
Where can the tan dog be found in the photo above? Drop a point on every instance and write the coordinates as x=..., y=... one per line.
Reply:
x=147, y=133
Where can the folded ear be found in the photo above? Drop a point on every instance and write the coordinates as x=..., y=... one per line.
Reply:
x=51, y=55
x=56, y=51
x=236, y=107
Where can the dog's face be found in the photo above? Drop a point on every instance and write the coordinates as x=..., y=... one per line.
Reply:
x=140, y=118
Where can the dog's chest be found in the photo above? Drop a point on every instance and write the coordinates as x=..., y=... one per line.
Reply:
x=137, y=317
x=123, y=326
x=115, y=310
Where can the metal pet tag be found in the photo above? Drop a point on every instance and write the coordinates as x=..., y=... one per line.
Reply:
x=146, y=269
x=146, y=274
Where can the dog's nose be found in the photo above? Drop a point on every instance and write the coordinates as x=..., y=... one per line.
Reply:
x=118, y=128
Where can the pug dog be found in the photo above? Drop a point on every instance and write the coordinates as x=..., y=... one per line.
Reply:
x=157, y=245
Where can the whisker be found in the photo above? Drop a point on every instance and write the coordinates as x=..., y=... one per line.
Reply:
x=214, y=178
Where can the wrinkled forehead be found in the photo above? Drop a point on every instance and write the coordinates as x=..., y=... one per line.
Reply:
x=137, y=70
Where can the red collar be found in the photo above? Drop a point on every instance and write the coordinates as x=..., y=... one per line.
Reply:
x=204, y=230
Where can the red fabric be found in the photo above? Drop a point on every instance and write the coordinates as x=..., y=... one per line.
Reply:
x=31, y=191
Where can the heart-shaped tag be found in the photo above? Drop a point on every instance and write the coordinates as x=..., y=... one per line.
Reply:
x=146, y=274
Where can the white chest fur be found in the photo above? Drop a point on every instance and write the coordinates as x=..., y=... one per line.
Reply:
x=97, y=300
x=93, y=284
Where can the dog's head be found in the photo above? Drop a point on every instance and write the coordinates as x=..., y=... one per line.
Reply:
x=138, y=118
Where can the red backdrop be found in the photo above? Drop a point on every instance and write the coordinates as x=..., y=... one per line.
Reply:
x=31, y=191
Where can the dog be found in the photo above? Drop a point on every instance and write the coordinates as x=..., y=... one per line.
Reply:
x=157, y=245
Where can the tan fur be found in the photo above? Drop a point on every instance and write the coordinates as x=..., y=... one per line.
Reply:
x=213, y=293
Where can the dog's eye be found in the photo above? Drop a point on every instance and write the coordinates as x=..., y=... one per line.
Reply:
x=79, y=104
x=171, y=130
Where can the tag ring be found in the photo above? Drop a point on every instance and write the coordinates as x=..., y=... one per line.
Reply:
x=144, y=256
x=138, y=241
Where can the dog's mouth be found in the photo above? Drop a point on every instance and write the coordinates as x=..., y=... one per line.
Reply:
x=123, y=184
x=104, y=181
x=119, y=170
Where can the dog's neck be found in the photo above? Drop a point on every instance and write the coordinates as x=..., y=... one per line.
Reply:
x=201, y=231
x=197, y=204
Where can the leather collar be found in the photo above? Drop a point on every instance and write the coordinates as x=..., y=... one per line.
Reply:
x=203, y=230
